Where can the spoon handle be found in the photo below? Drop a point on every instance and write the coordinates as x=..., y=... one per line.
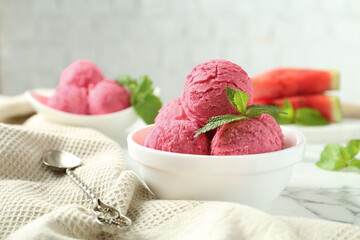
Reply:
x=85, y=188
x=107, y=216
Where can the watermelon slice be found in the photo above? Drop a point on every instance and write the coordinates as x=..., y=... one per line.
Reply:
x=328, y=106
x=287, y=82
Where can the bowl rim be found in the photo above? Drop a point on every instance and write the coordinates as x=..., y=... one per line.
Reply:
x=34, y=102
x=178, y=162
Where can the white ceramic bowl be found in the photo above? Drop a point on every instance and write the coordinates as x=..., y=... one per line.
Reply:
x=112, y=124
x=254, y=180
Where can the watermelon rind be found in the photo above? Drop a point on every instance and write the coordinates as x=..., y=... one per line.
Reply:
x=335, y=80
x=337, y=113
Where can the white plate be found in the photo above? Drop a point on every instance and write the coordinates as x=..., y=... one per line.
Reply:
x=335, y=132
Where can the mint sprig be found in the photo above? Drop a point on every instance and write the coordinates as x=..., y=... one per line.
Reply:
x=218, y=121
x=355, y=163
x=239, y=100
x=309, y=117
x=335, y=157
x=256, y=110
x=303, y=116
x=285, y=119
x=145, y=103
x=353, y=147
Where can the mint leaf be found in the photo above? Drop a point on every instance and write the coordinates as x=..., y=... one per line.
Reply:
x=143, y=88
x=282, y=118
x=334, y=157
x=309, y=117
x=148, y=107
x=145, y=103
x=230, y=94
x=222, y=117
x=256, y=110
x=237, y=98
x=127, y=81
x=353, y=147
x=241, y=99
x=355, y=163
x=218, y=121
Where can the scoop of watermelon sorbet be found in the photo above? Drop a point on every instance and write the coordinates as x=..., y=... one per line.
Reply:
x=178, y=136
x=108, y=96
x=81, y=73
x=171, y=111
x=248, y=136
x=204, y=94
x=71, y=99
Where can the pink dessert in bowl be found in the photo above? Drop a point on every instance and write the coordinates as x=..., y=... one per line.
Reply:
x=84, y=90
x=250, y=159
x=208, y=95
x=111, y=124
x=85, y=98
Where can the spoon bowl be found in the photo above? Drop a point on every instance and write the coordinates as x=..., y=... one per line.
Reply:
x=60, y=161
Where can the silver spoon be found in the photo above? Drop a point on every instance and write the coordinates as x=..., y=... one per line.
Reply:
x=108, y=217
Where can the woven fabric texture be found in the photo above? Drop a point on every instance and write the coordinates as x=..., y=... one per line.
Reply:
x=37, y=203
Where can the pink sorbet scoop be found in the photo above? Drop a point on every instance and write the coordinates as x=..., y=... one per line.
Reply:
x=171, y=111
x=204, y=93
x=248, y=136
x=71, y=99
x=178, y=136
x=81, y=73
x=108, y=96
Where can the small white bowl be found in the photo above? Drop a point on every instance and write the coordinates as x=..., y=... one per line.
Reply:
x=254, y=180
x=112, y=124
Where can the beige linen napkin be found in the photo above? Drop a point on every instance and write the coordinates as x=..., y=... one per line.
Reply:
x=15, y=107
x=39, y=204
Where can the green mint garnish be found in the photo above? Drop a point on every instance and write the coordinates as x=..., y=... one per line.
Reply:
x=218, y=121
x=145, y=103
x=355, y=163
x=256, y=110
x=353, y=147
x=309, y=117
x=335, y=157
x=285, y=119
x=239, y=100
x=303, y=116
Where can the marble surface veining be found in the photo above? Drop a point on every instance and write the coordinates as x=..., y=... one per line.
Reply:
x=333, y=204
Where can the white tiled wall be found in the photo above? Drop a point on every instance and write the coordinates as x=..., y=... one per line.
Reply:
x=166, y=38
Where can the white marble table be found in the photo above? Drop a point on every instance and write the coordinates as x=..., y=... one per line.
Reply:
x=313, y=192
x=319, y=194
